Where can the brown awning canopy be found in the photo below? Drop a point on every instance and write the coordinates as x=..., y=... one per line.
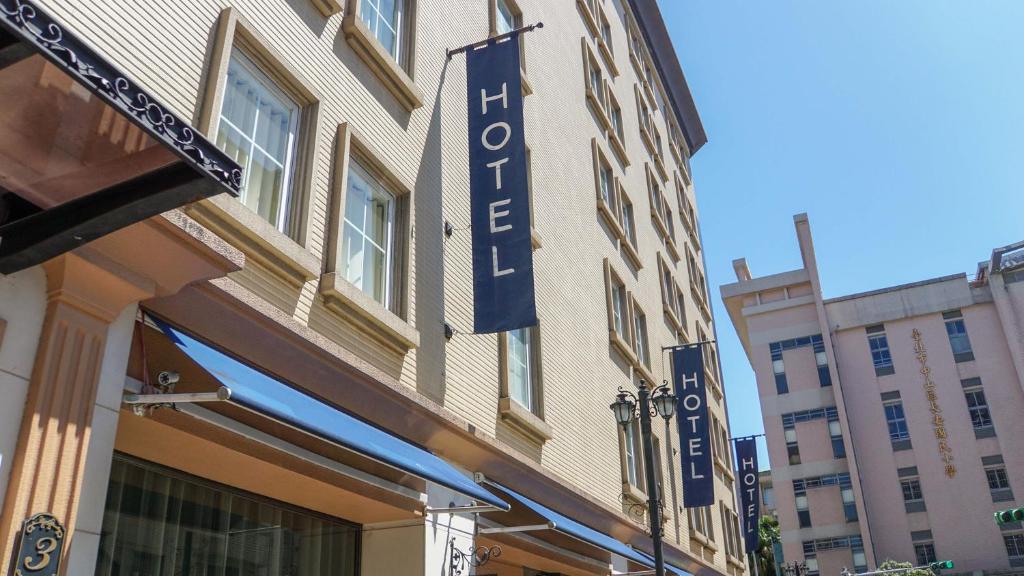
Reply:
x=84, y=150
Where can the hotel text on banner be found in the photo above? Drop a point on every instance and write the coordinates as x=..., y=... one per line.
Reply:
x=750, y=490
x=503, y=293
x=694, y=433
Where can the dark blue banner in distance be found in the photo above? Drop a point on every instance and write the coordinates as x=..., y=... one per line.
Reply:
x=503, y=291
x=750, y=490
x=694, y=429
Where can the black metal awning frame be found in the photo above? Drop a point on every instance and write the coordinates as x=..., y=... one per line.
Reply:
x=205, y=171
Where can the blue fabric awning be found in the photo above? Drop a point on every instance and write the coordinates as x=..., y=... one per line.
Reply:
x=257, y=392
x=572, y=528
x=669, y=569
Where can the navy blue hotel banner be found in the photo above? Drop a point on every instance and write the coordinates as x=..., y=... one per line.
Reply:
x=750, y=490
x=694, y=431
x=503, y=292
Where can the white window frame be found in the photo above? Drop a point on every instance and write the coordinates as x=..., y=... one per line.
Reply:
x=375, y=183
x=399, y=29
x=265, y=82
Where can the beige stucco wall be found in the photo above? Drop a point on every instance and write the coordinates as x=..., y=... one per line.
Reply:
x=168, y=50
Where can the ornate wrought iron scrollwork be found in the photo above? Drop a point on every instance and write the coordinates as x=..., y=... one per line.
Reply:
x=636, y=511
x=35, y=26
x=460, y=561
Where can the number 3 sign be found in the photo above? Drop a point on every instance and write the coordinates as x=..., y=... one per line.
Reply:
x=42, y=540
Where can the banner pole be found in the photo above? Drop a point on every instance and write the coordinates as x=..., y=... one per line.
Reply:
x=508, y=34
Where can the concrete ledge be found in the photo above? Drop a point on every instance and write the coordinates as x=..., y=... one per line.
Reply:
x=367, y=314
x=523, y=420
x=366, y=46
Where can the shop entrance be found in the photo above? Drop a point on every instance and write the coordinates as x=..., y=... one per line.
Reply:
x=160, y=521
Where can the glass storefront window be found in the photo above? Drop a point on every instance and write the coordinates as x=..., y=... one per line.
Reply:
x=159, y=522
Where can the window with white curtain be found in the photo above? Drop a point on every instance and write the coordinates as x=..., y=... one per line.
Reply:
x=505, y=19
x=521, y=368
x=160, y=521
x=386, y=21
x=368, y=238
x=258, y=128
x=633, y=453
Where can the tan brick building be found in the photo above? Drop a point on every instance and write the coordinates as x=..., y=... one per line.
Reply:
x=332, y=272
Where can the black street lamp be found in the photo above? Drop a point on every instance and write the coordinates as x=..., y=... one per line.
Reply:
x=659, y=401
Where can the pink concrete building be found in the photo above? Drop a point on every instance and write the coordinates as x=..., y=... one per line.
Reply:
x=893, y=416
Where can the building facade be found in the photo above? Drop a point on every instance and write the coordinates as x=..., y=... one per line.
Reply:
x=890, y=415
x=340, y=416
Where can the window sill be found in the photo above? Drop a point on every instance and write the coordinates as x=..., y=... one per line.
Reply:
x=1002, y=495
x=632, y=254
x=535, y=240
x=635, y=59
x=608, y=57
x=672, y=318
x=367, y=314
x=258, y=239
x=588, y=17
x=884, y=371
x=515, y=415
x=648, y=141
x=900, y=445
x=734, y=561
x=634, y=494
x=659, y=163
x=380, y=62
x=985, y=432
x=527, y=87
x=963, y=357
x=673, y=249
x=598, y=108
x=724, y=468
x=327, y=7
x=646, y=374
x=649, y=90
x=622, y=346
x=618, y=147
x=609, y=217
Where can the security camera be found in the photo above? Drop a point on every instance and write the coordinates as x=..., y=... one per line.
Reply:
x=168, y=378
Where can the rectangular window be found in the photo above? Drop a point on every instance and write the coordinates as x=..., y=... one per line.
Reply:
x=505, y=19
x=997, y=479
x=802, y=511
x=368, y=238
x=640, y=336
x=896, y=420
x=978, y=408
x=619, y=309
x=836, y=435
x=258, y=128
x=925, y=552
x=860, y=560
x=522, y=368
x=615, y=117
x=633, y=455
x=849, y=506
x=880, y=355
x=781, y=384
x=958, y=339
x=1014, y=546
x=162, y=521
x=911, y=490
x=386, y=21
x=628, y=221
x=792, y=447
x=812, y=564
x=998, y=483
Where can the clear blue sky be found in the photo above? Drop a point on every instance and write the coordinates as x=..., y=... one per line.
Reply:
x=898, y=126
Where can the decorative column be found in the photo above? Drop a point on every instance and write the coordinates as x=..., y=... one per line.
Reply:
x=85, y=293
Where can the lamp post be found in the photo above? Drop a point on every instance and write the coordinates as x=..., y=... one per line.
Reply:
x=646, y=404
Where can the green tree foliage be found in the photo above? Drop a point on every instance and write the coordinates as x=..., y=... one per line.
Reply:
x=768, y=527
x=892, y=565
